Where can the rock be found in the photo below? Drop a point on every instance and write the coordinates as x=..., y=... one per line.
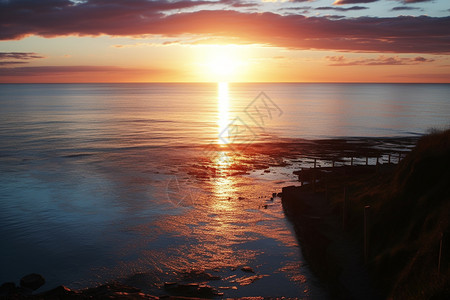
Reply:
x=8, y=288
x=24, y=291
x=206, y=291
x=274, y=195
x=195, y=290
x=199, y=275
x=109, y=289
x=58, y=291
x=249, y=280
x=187, y=288
x=212, y=277
x=112, y=290
x=32, y=281
x=228, y=288
x=189, y=285
x=168, y=285
x=247, y=269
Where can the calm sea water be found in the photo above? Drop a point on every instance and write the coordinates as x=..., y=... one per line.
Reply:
x=104, y=181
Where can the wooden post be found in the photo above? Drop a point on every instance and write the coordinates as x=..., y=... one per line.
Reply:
x=399, y=157
x=351, y=162
x=344, y=208
x=315, y=162
x=366, y=232
x=314, y=181
x=389, y=158
x=333, y=163
x=377, y=161
x=440, y=255
x=367, y=160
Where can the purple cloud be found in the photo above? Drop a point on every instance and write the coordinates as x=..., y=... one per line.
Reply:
x=20, y=55
x=341, y=61
x=414, y=1
x=51, y=18
x=341, y=8
x=343, y=2
x=405, y=8
x=64, y=70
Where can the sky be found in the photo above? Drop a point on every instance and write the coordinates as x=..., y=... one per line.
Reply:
x=56, y=41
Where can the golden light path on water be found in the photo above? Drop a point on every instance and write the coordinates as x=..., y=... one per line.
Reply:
x=223, y=219
x=223, y=111
x=223, y=183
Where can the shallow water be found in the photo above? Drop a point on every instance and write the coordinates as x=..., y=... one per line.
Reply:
x=129, y=181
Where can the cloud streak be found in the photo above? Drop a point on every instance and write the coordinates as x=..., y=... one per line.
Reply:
x=20, y=55
x=341, y=61
x=60, y=70
x=17, y=58
x=341, y=8
x=80, y=73
x=9, y=63
x=343, y=2
x=413, y=1
x=405, y=8
x=52, y=18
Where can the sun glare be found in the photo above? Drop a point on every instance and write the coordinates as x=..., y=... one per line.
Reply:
x=221, y=63
x=222, y=66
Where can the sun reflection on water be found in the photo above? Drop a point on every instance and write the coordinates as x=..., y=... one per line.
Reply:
x=223, y=110
x=223, y=184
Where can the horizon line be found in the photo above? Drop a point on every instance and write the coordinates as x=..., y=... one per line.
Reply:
x=232, y=82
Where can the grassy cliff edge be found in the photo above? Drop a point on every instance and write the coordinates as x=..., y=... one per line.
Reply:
x=409, y=222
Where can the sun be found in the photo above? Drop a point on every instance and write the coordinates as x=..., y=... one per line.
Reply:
x=221, y=63
x=222, y=66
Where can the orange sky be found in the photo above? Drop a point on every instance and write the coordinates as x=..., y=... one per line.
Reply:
x=237, y=41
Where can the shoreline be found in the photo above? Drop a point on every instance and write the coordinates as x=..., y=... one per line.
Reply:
x=378, y=232
x=318, y=236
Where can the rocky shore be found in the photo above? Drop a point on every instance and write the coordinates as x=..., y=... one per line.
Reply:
x=31, y=282
x=113, y=290
x=193, y=286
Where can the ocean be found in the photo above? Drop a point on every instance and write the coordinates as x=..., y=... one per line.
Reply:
x=141, y=183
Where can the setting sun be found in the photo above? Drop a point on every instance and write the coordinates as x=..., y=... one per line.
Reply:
x=222, y=66
x=206, y=149
x=221, y=63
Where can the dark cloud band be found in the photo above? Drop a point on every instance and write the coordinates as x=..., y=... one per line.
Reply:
x=51, y=18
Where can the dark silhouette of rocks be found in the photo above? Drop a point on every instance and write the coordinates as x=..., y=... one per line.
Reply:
x=247, y=269
x=7, y=288
x=32, y=281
